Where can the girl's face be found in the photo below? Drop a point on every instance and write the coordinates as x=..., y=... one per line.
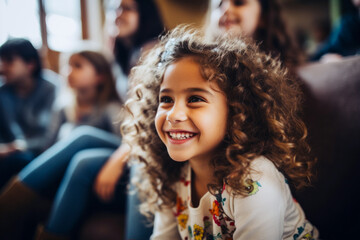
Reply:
x=192, y=113
x=127, y=18
x=238, y=16
x=82, y=75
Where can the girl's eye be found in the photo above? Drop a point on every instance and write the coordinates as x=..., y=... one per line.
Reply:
x=193, y=99
x=239, y=2
x=165, y=99
x=76, y=65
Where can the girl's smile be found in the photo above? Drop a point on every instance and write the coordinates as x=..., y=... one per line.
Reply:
x=180, y=135
x=192, y=113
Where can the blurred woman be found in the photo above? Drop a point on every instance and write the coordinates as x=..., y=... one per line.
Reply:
x=260, y=20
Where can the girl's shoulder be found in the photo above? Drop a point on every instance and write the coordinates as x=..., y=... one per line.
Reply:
x=263, y=181
x=261, y=168
x=269, y=205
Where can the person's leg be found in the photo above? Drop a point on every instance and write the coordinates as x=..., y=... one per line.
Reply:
x=75, y=190
x=134, y=219
x=48, y=168
x=46, y=171
x=18, y=205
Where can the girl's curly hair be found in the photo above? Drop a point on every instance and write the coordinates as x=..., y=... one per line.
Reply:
x=263, y=102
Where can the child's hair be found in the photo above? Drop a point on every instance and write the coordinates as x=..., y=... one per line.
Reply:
x=107, y=88
x=22, y=48
x=263, y=112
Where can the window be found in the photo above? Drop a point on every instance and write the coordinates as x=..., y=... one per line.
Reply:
x=63, y=21
x=19, y=18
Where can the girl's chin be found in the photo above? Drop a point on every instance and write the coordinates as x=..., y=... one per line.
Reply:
x=178, y=158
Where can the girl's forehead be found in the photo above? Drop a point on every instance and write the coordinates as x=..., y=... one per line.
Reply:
x=187, y=72
x=75, y=58
x=78, y=59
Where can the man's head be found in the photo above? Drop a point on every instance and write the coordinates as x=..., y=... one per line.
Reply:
x=19, y=59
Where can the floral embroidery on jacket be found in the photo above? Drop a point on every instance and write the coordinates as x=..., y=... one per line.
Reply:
x=180, y=206
x=198, y=232
x=252, y=186
x=182, y=220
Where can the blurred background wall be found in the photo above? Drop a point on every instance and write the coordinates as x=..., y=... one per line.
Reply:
x=57, y=27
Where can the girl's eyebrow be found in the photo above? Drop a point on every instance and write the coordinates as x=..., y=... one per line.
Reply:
x=188, y=90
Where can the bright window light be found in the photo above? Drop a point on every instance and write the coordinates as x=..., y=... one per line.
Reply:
x=63, y=21
x=20, y=18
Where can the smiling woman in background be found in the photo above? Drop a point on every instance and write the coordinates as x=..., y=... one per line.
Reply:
x=260, y=20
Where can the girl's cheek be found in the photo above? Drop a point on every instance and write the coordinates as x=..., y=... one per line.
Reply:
x=159, y=122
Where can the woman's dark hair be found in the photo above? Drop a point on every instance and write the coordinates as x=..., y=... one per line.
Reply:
x=150, y=27
x=20, y=47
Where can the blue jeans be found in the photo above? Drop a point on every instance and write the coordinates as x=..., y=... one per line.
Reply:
x=137, y=226
x=49, y=167
x=74, y=162
x=75, y=190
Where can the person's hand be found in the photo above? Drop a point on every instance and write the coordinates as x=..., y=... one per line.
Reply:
x=106, y=180
x=110, y=173
x=6, y=150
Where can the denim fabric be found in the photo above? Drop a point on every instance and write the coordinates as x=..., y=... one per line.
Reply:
x=75, y=189
x=48, y=168
x=134, y=219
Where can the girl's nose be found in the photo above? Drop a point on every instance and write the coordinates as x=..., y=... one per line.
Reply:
x=226, y=6
x=177, y=114
x=119, y=11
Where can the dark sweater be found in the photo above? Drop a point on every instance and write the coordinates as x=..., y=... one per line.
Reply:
x=26, y=118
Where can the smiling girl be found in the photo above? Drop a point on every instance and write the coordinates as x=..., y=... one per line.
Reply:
x=216, y=125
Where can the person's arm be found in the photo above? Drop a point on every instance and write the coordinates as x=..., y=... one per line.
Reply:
x=165, y=226
x=45, y=117
x=110, y=173
x=9, y=127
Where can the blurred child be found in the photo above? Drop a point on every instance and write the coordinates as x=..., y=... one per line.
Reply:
x=216, y=125
x=26, y=99
x=95, y=103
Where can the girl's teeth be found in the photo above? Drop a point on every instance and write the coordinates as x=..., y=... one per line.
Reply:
x=180, y=136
